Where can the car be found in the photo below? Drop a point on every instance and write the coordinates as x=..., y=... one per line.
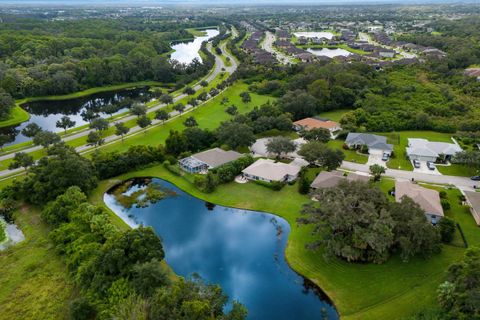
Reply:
x=475, y=178
x=416, y=164
x=385, y=157
x=430, y=165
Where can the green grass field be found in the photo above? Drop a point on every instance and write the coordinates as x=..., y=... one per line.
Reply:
x=17, y=116
x=34, y=282
x=350, y=155
x=360, y=291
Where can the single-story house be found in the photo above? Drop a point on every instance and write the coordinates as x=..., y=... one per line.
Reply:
x=424, y=150
x=209, y=159
x=306, y=57
x=329, y=179
x=312, y=123
x=473, y=200
x=268, y=170
x=427, y=199
x=376, y=144
x=259, y=148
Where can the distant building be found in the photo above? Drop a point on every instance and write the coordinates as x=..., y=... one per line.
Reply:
x=427, y=199
x=424, y=150
x=312, y=123
x=268, y=170
x=209, y=159
x=326, y=179
x=375, y=144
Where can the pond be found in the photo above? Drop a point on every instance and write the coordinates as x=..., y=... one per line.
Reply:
x=185, y=52
x=12, y=234
x=46, y=113
x=314, y=34
x=241, y=250
x=331, y=53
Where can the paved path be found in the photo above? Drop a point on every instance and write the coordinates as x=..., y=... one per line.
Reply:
x=463, y=183
x=218, y=68
x=267, y=45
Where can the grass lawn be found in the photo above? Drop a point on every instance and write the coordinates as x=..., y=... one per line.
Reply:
x=350, y=155
x=334, y=115
x=360, y=291
x=34, y=282
x=458, y=170
x=17, y=116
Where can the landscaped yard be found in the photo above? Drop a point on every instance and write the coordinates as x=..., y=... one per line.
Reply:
x=334, y=115
x=359, y=291
x=350, y=155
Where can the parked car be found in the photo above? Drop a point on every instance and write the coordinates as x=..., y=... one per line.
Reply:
x=385, y=157
x=416, y=164
x=430, y=165
x=475, y=178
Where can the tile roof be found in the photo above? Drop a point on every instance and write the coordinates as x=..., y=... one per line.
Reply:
x=311, y=123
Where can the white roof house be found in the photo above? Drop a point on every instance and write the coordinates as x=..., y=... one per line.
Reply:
x=269, y=170
x=424, y=150
x=375, y=143
x=427, y=199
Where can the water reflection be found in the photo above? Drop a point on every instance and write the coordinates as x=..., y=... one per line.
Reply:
x=185, y=52
x=241, y=250
x=47, y=113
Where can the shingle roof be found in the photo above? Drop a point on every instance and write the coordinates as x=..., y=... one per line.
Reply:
x=216, y=157
x=330, y=179
x=427, y=199
x=370, y=140
x=311, y=123
x=423, y=147
x=474, y=199
x=271, y=170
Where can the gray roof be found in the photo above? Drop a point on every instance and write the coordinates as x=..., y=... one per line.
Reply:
x=216, y=157
x=372, y=141
x=271, y=170
x=423, y=147
x=326, y=179
x=473, y=199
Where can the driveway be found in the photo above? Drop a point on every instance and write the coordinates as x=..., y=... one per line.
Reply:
x=424, y=169
x=376, y=159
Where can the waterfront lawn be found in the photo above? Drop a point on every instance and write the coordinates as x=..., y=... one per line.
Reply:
x=360, y=291
x=34, y=282
x=17, y=116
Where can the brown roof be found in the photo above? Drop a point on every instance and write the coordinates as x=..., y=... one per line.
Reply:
x=427, y=199
x=472, y=72
x=473, y=199
x=312, y=123
x=326, y=179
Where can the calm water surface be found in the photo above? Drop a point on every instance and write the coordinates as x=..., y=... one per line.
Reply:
x=241, y=250
x=331, y=53
x=185, y=52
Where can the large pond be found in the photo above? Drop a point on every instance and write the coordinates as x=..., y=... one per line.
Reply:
x=314, y=34
x=185, y=52
x=46, y=113
x=241, y=250
x=331, y=53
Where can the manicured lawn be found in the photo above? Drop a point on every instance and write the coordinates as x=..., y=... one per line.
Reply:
x=350, y=155
x=458, y=170
x=34, y=282
x=360, y=291
x=334, y=115
x=17, y=116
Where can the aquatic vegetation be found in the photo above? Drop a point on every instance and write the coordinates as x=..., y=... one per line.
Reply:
x=140, y=193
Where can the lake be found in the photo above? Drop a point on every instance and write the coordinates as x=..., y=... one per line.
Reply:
x=314, y=34
x=46, y=113
x=185, y=52
x=331, y=53
x=241, y=250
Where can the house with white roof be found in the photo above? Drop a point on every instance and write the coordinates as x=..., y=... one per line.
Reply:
x=268, y=170
x=424, y=150
x=427, y=199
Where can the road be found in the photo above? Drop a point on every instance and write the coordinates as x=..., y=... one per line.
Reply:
x=218, y=68
x=267, y=45
x=463, y=183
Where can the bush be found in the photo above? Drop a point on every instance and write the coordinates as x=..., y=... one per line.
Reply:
x=81, y=309
x=172, y=168
x=274, y=185
x=443, y=194
x=445, y=204
x=229, y=171
x=447, y=229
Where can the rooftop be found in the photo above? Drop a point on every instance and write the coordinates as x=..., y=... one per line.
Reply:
x=427, y=199
x=426, y=148
x=326, y=179
x=312, y=123
x=271, y=170
x=216, y=157
x=370, y=140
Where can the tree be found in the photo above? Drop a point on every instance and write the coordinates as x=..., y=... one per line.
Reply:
x=148, y=276
x=110, y=109
x=232, y=110
x=447, y=229
x=203, y=96
x=46, y=138
x=88, y=115
x=189, y=90
x=204, y=83
x=6, y=104
x=320, y=154
x=21, y=159
x=280, y=145
x=99, y=124
x=162, y=115
x=65, y=122
x=245, y=97
x=458, y=296
x=298, y=103
x=94, y=138
x=469, y=158
x=176, y=143
x=193, y=102
x=353, y=221
x=82, y=309
x=121, y=129
x=143, y=122
x=138, y=110
x=59, y=210
x=303, y=182
x=316, y=134
x=235, y=134
x=211, y=182
x=377, y=170
x=31, y=130
x=179, y=107
x=166, y=98
x=4, y=139
x=190, y=122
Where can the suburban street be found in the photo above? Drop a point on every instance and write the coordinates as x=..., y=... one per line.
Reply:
x=267, y=45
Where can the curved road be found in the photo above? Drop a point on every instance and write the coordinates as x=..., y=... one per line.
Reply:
x=218, y=68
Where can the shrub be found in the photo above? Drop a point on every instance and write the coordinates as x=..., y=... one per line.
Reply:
x=447, y=229
x=274, y=185
x=443, y=194
x=445, y=204
x=173, y=168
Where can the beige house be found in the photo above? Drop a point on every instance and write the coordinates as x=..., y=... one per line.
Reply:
x=329, y=179
x=268, y=170
x=427, y=199
x=473, y=200
x=312, y=123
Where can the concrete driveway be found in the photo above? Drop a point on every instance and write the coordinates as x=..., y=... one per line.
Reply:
x=376, y=159
x=424, y=169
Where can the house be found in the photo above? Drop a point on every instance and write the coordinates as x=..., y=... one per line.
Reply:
x=209, y=159
x=329, y=179
x=306, y=57
x=427, y=199
x=424, y=150
x=259, y=148
x=375, y=144
x=386, y=53
x=312, y=123
x=269, y=171
x=473, y=200
x=472, y=72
